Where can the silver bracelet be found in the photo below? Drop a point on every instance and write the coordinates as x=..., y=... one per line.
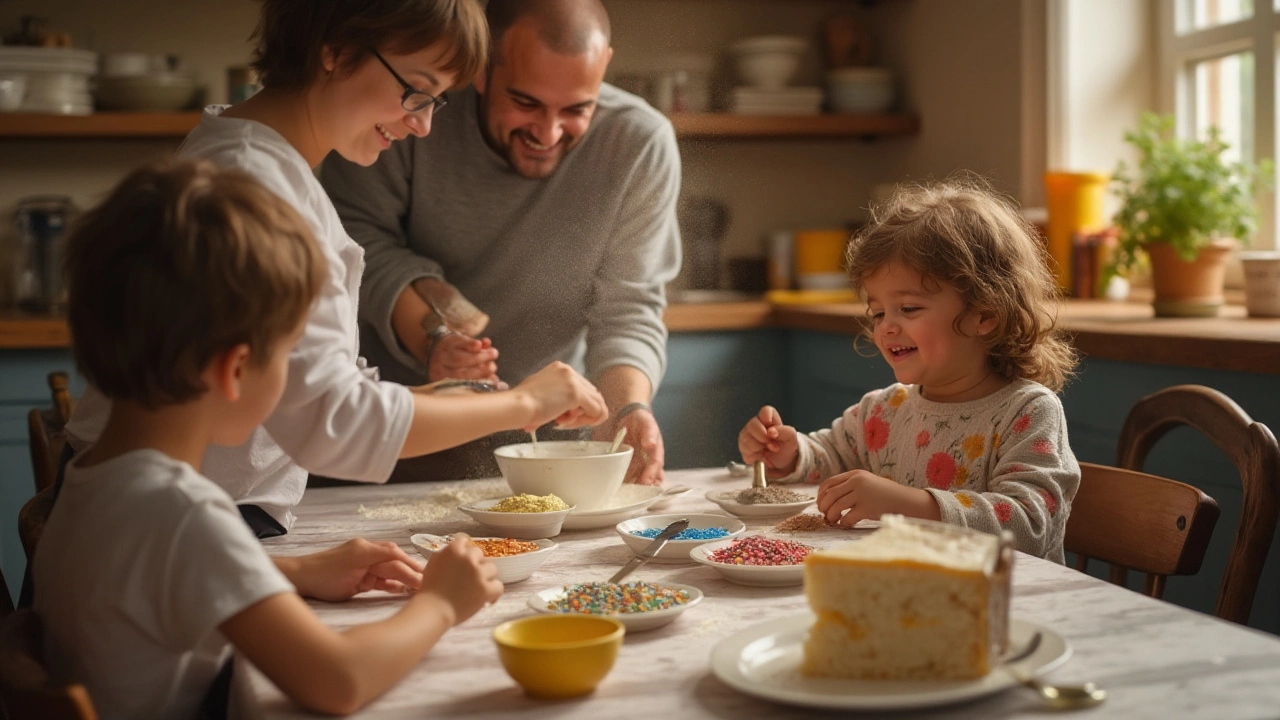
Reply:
x=629, y=408
x=434, y=334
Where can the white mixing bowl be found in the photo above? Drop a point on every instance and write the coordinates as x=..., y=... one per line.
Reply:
x=580, y=472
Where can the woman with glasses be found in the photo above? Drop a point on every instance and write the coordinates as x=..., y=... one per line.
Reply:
x=351, y=78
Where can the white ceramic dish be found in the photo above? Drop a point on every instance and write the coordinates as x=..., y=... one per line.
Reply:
x=523, y=526
x=724, y=498
x=629, y=501
x=754, y=575
x=635, y=622
x=583, y=473
x=675, y=551
x=764, y=661
x=511, y=569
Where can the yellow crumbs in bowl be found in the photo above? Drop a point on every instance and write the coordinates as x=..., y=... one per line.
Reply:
x=503, y=547
x=526, y=503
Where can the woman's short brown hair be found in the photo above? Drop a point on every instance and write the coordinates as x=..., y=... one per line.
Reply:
x=962, y=233
x=181, y=262
x=292, y=36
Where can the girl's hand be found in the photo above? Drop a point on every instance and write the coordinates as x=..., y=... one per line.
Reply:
x=351, y=568
x=463, y=577
x=866, y=497
x=557, y=392
x=764, y=437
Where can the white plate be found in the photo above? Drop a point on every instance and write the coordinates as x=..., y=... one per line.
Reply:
x=675, y=551
x=723, y=498
x=764, y=660
x=635, y=622
x=629, y=501
x=511, y=568
x=756, y=575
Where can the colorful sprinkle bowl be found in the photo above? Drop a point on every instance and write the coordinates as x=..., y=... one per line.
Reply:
x=634, y=621
x=677, y=551
x=559, y=656
x=519, y=525
x=756, y=575
x=511, y=568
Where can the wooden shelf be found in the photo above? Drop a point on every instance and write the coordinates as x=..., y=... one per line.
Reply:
x=98, y=125
x=710, y=126
x=831, y=125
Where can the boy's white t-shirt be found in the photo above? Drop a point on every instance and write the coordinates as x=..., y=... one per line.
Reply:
x=140, y=562
x=335, y=417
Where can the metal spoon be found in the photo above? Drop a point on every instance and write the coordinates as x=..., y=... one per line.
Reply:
x=1062, y=697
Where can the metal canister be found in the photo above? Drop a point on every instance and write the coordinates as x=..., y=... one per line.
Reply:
x=42, y=224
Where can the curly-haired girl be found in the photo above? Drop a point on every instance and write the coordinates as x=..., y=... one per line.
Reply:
x=960, y=303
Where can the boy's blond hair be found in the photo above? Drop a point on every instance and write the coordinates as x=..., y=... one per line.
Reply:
x=181, y=262
x=962, y=233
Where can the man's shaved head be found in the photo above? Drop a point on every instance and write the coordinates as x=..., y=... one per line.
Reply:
x=569, y=27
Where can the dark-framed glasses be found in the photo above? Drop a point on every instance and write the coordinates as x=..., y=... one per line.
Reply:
x=413, y=100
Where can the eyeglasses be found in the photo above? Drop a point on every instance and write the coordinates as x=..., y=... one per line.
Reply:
x=413, y=100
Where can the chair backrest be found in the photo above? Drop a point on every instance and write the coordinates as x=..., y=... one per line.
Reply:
x=45, y=431
x=6, y=600
x=27, y=692
x=31, y=521
x=1136, y=521
x=1252, y=448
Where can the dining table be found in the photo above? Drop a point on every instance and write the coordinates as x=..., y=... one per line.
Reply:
x=1153, y=658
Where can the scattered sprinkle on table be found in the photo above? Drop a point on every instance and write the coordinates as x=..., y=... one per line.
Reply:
x=504, y=547
x=526, y=503
x=769, y=495
x=760, y=550
x=711, y=533
x=805, y=522
x=602, y=598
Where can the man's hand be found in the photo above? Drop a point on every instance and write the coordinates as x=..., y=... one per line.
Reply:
x=465, y=358
x=645, y=437
x=351, y=568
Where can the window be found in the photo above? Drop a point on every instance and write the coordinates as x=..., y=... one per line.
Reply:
x=1218, y=63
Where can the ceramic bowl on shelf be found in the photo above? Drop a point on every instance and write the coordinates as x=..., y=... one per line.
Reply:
x=860, y=89
x=160, y=91
x=583, y=473
x=768, y=61
x=559, y=656
x=676, y=550
x=13, y=90
x=511, y=568
x=519, y=525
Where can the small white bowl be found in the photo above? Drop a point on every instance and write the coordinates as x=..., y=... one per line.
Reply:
x=725, y=499
x=768, y=61
x=754, y=575
x=635, y=622
x=511, y=569
x=522, y=526
x=581, y=472
x=675, y=551
x=13, y=90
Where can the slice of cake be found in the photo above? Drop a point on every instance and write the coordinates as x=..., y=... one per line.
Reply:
x=915, y=600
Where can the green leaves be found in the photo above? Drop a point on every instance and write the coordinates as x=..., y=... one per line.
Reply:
x=1182, y=192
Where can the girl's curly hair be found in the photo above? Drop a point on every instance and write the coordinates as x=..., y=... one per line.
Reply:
x=962, y=233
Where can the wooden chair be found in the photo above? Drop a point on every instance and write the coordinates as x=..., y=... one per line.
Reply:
x=45, y=431
x=6, y=600
x=1252, y=448
x=26, y=690
x=1135, y=521
x=31, y=521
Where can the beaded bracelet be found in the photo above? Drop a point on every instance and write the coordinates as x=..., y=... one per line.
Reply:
x=629, y=408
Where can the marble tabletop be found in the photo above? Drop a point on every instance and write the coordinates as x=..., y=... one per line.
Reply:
x=1155, y=659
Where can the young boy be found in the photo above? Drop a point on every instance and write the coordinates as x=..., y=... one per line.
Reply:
x=188, y=287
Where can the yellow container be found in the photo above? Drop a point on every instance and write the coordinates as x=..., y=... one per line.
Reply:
x=559, y=656
x=1075, y=202
x=820, y=251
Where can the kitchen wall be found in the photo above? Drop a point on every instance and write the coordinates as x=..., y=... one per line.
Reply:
x=972, y=69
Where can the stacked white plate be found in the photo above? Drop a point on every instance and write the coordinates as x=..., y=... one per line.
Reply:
x=777, y=101
x=57, y=78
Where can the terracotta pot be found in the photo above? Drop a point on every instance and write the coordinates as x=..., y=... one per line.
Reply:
x=1189, y=289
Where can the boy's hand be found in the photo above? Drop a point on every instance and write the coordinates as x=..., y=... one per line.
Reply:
x=764, y=437
x=557, y=392
x=867, y=497
x=463, y=577
x=351, y=568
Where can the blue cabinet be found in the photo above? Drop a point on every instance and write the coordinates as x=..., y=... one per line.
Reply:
x=23, y=386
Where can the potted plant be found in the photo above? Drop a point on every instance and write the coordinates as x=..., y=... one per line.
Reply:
x=1185, y=208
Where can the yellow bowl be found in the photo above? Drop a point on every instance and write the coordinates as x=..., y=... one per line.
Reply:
x=559, y=656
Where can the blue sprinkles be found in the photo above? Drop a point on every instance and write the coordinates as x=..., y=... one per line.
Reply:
x=712, y=533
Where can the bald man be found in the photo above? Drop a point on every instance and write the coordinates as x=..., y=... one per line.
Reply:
x=535, y=223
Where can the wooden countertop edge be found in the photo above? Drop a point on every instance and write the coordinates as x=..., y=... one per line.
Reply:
x=1123, y=332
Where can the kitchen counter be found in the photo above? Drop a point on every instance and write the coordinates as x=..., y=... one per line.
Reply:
x=1124, y=331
